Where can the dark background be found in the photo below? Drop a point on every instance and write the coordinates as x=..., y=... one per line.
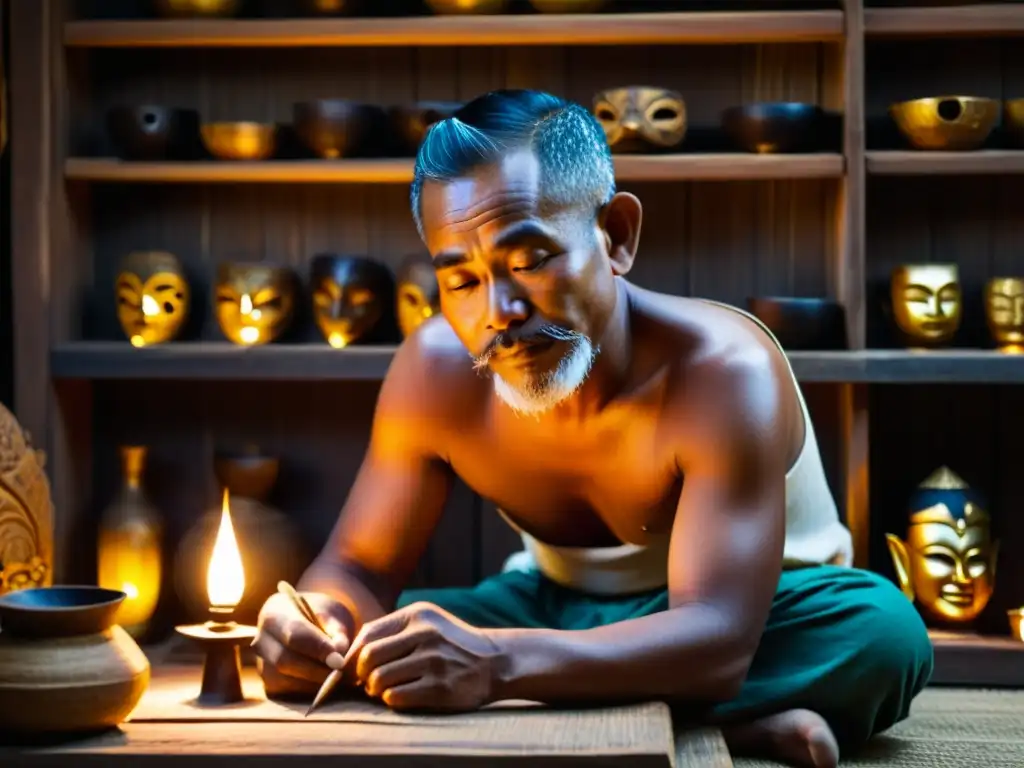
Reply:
x=6, y=345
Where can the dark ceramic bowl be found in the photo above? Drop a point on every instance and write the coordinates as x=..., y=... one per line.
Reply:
x=774, y=127
x=334, y=128
x=59, y=611
x=802, y=323
x=410, y=122
x=152, y=132
x=250, y=475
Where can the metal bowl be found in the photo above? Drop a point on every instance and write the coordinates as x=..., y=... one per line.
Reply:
x=327, y=7
x=950, y=123
x=1013, y=121
x=773, y=127
x=568, y=6
x=240, y=140
x=152, y=132
x=333, y=128
x=200, y=8
x=450, y=7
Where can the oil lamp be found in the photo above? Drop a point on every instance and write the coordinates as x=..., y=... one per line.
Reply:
x=220, y=637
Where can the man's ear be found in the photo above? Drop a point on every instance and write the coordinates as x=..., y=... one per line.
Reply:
x=620, y=222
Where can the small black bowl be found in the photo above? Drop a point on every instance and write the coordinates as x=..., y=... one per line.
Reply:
x=153, y=132
x=802, y=324
x=337, y=128
x=59, y=611
x=774, y=127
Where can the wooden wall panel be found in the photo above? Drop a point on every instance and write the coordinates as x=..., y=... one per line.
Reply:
x=720, y=240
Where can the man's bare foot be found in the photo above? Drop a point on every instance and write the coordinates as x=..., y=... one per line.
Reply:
x=798, y=737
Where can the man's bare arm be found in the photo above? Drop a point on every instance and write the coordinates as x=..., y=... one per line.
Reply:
x=725, y=560
x=397, y=498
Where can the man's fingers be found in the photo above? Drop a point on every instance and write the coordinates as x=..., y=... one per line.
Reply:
x=412, y=696
x=375, y=630
x=406, y=669
x=279, y=685
x=378, y=653
x=294, y=632
x=287, y=662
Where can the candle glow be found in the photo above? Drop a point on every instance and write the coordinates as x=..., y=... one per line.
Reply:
x=225, y=576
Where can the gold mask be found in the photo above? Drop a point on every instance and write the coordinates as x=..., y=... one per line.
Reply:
x=353, y=299
x=254, y=302
x=948, y=562
x=152, y=297
x=641, y=118
x=927, y=302
x=1004, y=310
x=26, y=510
x=418, y=294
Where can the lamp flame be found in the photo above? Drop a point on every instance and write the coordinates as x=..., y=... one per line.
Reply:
x=225, y=576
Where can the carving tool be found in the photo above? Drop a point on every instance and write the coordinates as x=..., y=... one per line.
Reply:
x=304, y=608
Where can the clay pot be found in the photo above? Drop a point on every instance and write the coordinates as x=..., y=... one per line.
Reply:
x=777, y=127
x=64, y=665
x=410, y=122
x=270, y=546
x=334, y=128
x=152, y=132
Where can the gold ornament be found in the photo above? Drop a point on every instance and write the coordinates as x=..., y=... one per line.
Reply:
x=254, y=302
x=927, y=302
x=152, y=297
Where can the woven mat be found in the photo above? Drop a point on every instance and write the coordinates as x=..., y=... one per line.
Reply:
x=947, y=728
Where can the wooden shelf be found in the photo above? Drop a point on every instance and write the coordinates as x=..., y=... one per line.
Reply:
x=575, y=29
x=977, y=661
x=952, y=21
x=914, y=163
x=315, y=361
x=693, y=167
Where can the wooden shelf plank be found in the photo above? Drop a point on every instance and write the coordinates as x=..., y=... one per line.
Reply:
x=916, y=162
x=536, y=29
x=948, y=21
x=695, y=167
x=314, y=361
x=977, y=661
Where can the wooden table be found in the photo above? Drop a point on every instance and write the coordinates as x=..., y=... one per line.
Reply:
x=166, y=727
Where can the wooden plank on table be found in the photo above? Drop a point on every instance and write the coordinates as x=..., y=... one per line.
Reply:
x=503, y=29
x=167, y=726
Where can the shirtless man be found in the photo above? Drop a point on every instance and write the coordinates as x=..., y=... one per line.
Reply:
x=655, y=453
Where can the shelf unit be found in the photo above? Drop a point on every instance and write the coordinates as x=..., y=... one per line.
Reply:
x=721, y=225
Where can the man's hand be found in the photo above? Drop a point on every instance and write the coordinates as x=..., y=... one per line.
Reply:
x=422, y=658
x=295, y=656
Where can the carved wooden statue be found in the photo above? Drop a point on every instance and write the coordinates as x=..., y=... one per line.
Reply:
x=26, y=511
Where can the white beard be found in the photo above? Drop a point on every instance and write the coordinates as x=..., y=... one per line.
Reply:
x=545, y=392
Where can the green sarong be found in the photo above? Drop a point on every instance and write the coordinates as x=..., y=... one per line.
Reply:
x=842, y=642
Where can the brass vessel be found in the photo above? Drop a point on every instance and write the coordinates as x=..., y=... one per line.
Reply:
x=467, y=6
x=1013, y=121
x=1016, y=615
x=950, y=123
x=240, y=140
x=185, y=8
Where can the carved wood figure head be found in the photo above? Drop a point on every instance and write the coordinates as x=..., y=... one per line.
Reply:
x=255, y=303
x=418, y=294
x=641, y=118
x=353, y=298
x=26, y=510
x=152, y=297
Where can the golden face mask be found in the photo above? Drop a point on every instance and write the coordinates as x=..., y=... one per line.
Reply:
x=948, y=561
x=152, y=297
x=254, y=302
x=1004, y=310
x=418, y=294
x=927, y=302
x=353, y=299
x=641, y=119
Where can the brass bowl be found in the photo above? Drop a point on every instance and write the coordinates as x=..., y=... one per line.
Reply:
x=568, y=6
x=240, y=141
x=193, y=8
x=328, y=7
x=1013, y=121
x=467, y=6
x=1016, y=615
x=950, y=123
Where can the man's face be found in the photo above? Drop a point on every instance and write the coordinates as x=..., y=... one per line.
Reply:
x=527, y=287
